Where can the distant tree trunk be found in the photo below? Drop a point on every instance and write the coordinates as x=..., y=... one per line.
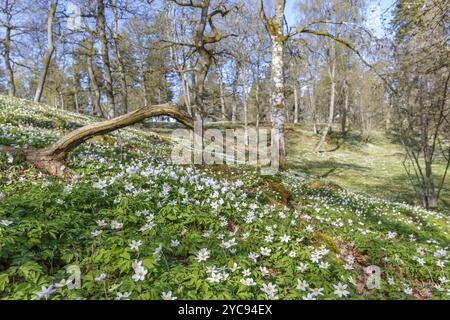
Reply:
x=428, y=188
x=244, y=97
x=61, y=98
x=295, y=104
x=120, y=62
x=235, y=93
x=222, y=96
x=329, y=124
x=7, y=46
x=142, y=75
x=77, y=104
x=312, y=105
x=48, y=55
x=101, y=29
x=93, y=82
x=344, y=110
x=257, y=105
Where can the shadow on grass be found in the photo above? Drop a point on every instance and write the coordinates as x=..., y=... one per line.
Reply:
x=312, y=167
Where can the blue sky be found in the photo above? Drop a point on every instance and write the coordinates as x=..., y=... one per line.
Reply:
x=376, y=20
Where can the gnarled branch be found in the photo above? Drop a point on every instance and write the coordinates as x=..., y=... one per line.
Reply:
x=52, y=158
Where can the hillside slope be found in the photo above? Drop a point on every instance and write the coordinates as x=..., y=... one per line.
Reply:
x=139, y=227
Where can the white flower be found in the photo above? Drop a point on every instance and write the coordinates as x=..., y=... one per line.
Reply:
x=270, y=289
x=248, y=282
x=309, y=228
x=115, y=225
x=235, y=267
x=443, y=279
x=168, y=296
x=285, y=238
x=68, y=189
x=100, y=184
x=408, y=290
x=392, y=235
x=100, y=277
x=438, y=287
x=391, y=281
x=121, y=295
x=139, y=274
x=302, y=267
x=341, y=290
x=96, y=233
x=253, y=256
x=292, y=254
x=5, y=222
x=301, y=285
x=309, y=296
x=264, y=271
x=440, y=253
x=135, y=245
x=229, y=244
x=265, y=251
x=317, y=291
x=45, y=292
x=246, y=272
x=101, y=223
x=147, y=226
x=268, y=238
x=214, y=278
x=174, y=243
x=348, y=266
x=202, y=255
x=63, y=283
x=420, y=261
x=324, y=265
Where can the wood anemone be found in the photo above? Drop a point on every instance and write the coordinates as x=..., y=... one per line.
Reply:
x=52, y=159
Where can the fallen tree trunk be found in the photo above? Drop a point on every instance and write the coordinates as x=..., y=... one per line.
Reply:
x=52, y=159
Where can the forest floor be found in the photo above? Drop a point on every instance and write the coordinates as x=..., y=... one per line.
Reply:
x=373, y=167
x=136, y=226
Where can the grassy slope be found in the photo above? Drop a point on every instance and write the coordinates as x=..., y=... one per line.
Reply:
x=318, y=235
x=374, y=168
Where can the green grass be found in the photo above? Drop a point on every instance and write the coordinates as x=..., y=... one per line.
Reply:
x=280, y=232
x=373, y=167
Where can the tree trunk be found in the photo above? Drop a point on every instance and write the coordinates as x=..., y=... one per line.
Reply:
x=235, y=99
x=429, y=190
x=9, y=69
x=52, y=159
x=121, y=65
x=93, y=83
x=312, y=106
x=48, y=54
x=344, y=110
x=295, y=104
x=101, y=29
x=278, y=109
x=331, y=109
x=222, y=96
x=244, y=97
x=77, y=105
x=257, y=105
